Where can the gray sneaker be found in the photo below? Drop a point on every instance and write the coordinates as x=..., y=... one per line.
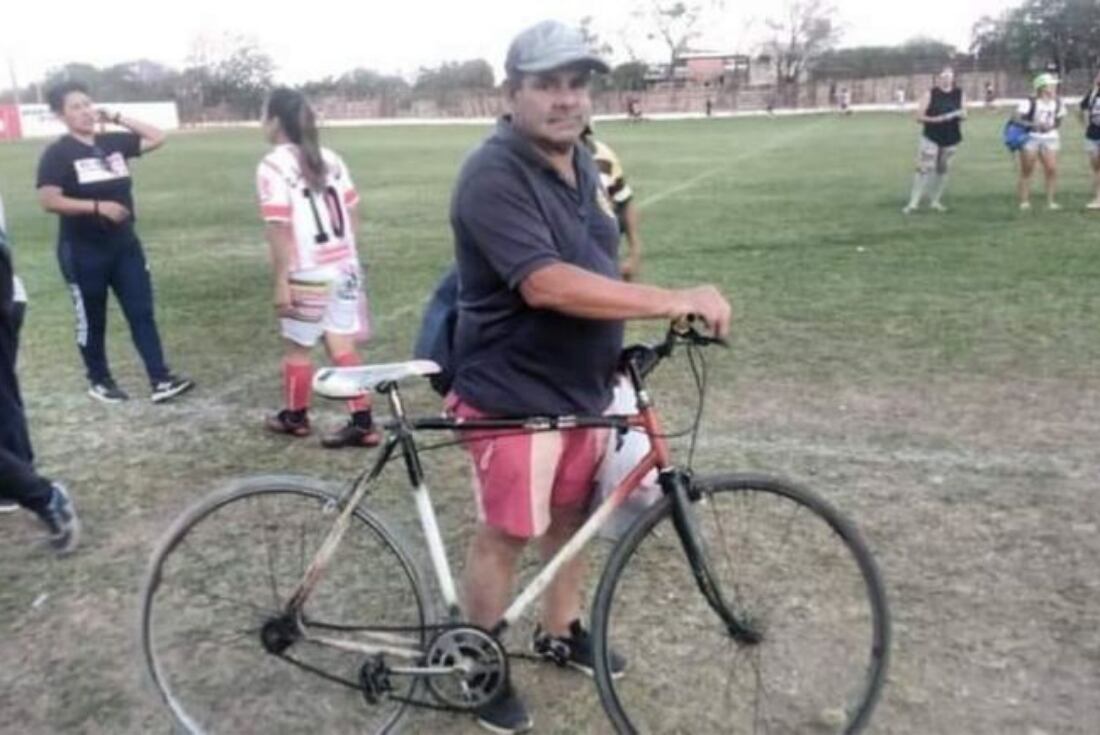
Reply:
x=170, y=387
x=107, y=391
x=60, y=518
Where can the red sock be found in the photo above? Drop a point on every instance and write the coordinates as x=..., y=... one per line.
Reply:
x=351, y=359
x=297, y=379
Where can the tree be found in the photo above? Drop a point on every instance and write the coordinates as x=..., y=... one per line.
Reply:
x=805, y=31
x=674, y=24
x=919, y=55
x=1061, y=33
x=229, y=70
x=629, y=77
x=455, y=75
x=600, y=46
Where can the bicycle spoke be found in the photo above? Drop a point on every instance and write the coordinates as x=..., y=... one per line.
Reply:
x=211, y=573
x=798, y=581
x=202, y=633
x=270, y=561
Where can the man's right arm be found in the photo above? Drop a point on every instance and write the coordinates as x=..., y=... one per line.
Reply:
x=509, y=230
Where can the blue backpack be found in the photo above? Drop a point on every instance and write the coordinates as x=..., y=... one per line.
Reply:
x=435, y=341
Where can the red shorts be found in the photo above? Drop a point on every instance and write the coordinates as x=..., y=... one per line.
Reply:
x=519, y=477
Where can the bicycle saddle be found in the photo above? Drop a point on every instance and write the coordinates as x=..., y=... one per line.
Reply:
x=351, y=382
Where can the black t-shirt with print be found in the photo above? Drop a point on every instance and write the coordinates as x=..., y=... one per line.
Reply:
x=97, y=171
x=1090, y=104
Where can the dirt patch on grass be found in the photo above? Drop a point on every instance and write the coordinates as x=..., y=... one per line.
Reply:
x=979, y=500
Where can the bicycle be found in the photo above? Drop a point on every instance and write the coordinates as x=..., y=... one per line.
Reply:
x=713, y=579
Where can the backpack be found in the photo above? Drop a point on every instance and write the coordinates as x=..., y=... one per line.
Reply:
x=435, y=340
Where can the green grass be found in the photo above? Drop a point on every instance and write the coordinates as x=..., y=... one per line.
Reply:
x=931, y=331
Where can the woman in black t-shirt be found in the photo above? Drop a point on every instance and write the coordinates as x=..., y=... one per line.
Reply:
x=1090, y=117
x=83, y=177
x=940, y=111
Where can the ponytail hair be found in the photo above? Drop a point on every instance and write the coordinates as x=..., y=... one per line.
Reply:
x=298, y=122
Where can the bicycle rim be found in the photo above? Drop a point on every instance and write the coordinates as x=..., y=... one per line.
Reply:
x=791, y=567
x=227, y=567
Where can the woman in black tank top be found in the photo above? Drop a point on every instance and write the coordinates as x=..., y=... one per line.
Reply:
x=940, y=112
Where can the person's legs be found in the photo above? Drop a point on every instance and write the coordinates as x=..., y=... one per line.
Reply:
x=1048, y=156
x=346, y=323
x=87, y=272
x=20, y=483
x=133, y=286
x=1028, y=156
x=927, y=152
x=1094, y=163
x=939, y=182
x=293, y=419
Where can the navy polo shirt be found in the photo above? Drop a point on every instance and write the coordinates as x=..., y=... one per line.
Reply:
x=99, y=171
x=512, y=214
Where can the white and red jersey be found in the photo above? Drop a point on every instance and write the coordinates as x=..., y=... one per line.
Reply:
x=324, y=234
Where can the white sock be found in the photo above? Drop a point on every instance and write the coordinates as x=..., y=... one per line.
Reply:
x=939, y=184
x=920, y=182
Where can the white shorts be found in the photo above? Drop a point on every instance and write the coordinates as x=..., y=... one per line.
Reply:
x=934, y=157
x=1037, y=143
x=326, y=300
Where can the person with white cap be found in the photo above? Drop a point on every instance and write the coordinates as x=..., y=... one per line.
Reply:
x=1042, y=114
x=539, y=333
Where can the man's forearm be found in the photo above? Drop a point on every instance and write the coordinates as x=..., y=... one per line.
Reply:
x=577, y=292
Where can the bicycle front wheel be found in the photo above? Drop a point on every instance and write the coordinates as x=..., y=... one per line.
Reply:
x=227, y=567
x=792, y=569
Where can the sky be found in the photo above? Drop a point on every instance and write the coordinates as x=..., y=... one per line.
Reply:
x=332, y=36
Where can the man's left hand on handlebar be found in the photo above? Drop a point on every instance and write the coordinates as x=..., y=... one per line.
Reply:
x=703, y=302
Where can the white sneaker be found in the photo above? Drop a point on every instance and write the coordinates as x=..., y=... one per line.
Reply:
x=1024, y=206
x=1054, y=206
x=8, y=506
x=1094, y=204
x=937, y=206
x=909, y=209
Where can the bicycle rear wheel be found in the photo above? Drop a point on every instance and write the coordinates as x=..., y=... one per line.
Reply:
x=791, y=568
x=227, y=567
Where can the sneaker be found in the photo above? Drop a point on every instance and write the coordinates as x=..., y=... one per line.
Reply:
x=8, y=506
x=60, y=518
x=937, y=207
x=505, y=714
x=1053, y=206
x=107, y=391
x=1094, y=204
x=294, y=423
x=909, y=209
x=170, y=387
x=575, y=651
x=351, y=435
x=1024, y=206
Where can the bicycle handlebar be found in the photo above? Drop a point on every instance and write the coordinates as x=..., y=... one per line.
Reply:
x=645, y=358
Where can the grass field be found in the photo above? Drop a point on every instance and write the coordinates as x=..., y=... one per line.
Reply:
x=936, y=376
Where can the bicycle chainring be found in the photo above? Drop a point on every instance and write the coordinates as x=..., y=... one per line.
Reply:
x=479, y=667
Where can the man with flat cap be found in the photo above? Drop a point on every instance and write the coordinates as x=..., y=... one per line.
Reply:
x=540, y=329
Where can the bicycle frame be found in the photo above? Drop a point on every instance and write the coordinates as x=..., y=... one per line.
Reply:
x=402, y=434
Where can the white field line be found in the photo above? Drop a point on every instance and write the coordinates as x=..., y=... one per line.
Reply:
x=772, y=144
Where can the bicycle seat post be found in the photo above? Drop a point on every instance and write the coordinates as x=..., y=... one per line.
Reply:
x=397, y=407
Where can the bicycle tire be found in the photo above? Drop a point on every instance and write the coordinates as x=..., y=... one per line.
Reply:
x=834, y=628
x=205, y=668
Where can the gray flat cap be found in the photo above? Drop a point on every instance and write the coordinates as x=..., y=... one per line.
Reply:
x=550, y=45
